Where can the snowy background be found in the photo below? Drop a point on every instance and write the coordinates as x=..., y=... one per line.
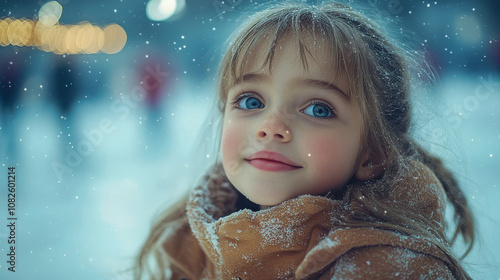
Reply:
x=94, y=165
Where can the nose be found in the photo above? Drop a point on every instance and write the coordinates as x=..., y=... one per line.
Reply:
x=272, y=128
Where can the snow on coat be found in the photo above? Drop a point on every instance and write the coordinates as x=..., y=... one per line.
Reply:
x=302, y=238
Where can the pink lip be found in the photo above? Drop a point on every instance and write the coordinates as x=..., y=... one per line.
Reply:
x=271, y=161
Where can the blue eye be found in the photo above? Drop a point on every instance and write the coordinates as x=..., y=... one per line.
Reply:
x=319, y=111
x=248, y=103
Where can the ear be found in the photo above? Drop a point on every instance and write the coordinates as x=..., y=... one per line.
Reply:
x=370, y=167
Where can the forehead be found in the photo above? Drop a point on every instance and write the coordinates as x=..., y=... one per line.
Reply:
x=337, y=47
x=313, y=53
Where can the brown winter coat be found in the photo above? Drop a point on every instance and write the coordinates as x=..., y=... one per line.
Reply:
x=302, y=238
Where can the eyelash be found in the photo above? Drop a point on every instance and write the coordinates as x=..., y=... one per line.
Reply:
x=239, y=97
x=327, y=105
x=332, y=110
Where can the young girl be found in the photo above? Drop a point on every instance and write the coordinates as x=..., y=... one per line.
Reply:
x=319, y=177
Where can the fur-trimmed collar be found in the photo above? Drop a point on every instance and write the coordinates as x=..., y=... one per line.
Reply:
x=302, y=238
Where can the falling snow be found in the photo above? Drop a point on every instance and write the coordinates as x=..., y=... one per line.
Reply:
x=97, y=159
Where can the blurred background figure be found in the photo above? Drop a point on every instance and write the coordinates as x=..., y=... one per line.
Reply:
x=64, y=91
x=154, y=75
x=63, y=84
x=11, y=79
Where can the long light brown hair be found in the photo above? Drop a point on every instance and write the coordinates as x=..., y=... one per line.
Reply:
x=378, y=74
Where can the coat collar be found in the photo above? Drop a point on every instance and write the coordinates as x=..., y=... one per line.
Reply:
x=299, y=237
x=245, y=242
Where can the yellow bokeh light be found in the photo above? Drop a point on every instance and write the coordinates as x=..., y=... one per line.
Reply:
x=17, y=33
x=13, y=33
x=4, y=34
x=96, y=41
x=115, y=39
x=83, y=38
x=58, y=45
x=47, y=36
x=27, y=27
x=70, y=40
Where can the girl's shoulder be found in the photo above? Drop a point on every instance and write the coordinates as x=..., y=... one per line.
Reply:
x=371, y=252
x=420, y=190
x=387, y=262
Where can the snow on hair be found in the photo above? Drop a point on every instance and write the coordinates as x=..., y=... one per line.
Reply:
x=378, y=72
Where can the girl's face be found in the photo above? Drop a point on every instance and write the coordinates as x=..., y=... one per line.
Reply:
x=290, y=131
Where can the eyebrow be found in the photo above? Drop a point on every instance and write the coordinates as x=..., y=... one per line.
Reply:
x=324, y=85
x=251, y=77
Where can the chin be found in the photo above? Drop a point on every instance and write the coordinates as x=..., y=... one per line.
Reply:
x=267, y=201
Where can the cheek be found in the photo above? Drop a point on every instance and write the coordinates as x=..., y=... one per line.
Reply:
x=232, y=139
x=329, y=154
x=321, y=150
